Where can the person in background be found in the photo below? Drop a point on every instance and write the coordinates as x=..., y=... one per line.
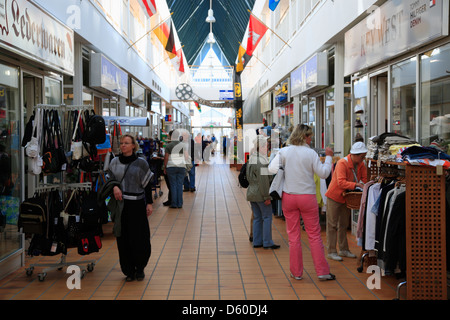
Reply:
x=349, y=173
x=134, y=241
x=189, y=179
x=299, y=198
x=175, y=166
x=258, y=194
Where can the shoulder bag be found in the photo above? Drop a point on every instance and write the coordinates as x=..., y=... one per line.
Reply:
x=276, y=188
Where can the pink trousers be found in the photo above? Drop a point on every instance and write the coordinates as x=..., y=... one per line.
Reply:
x=305, y=206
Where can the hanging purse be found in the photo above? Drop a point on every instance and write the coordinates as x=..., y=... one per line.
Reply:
x=76, y=146
x=276, y=188
x=32, y=147
x=64, y=214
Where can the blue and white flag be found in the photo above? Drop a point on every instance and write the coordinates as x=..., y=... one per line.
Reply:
x=273, y=4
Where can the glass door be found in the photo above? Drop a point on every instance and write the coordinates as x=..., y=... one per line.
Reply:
x=32, y=96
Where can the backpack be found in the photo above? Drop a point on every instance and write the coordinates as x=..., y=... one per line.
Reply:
x=243, y=182
x=33, y=216
x=95, y=130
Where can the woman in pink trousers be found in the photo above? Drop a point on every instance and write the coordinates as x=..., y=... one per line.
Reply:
x=300, y=163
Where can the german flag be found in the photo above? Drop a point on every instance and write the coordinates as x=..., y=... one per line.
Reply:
x=165, y=35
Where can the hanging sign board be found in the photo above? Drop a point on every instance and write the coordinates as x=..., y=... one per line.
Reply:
x=311, y=75
x=107, y=76
x=128, y=121
x=29, y=31
x=392, y=29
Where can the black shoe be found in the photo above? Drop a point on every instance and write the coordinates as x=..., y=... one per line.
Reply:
x=275, y=246
x=167, y=203
x=179, y=207
x=172, y=207
x=250, y=239
x=192, y=190
x=129, y=278
x=140, y=276
x=185, y=190
x=258, y=246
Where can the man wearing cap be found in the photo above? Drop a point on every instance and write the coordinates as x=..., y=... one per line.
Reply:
x=350, y=173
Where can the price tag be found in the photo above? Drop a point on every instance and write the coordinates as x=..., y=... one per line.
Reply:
x=439, y=170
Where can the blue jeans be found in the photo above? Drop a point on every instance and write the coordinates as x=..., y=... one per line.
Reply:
x=262, y=224
x=189, y=180
x=176, y=177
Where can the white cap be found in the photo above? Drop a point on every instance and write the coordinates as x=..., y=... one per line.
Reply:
x=359, y=109
x=358, y=148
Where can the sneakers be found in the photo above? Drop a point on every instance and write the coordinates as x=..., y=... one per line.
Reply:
x=296, y=278
x=347, y=254
x=334, y=256
x=327, y=277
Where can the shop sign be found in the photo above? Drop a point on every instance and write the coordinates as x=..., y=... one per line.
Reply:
x=137, y=96
x=311, y=75
x=27, y=30
x=156, y=103
x=282, y=95
x=392, y=29
x=106, y=75
x=226, y=95
x=266, y=102
x=128, y=121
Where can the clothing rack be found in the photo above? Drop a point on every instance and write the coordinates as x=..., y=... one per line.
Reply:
x=86, y=186
x=426, y=272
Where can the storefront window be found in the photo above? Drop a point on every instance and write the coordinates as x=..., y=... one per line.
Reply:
x=435, y=92
x=329, y=118
x=10, y=149
x=360, y=93
x=312, y=119
x=403, y=112
x=52, y=91
x=347, y=120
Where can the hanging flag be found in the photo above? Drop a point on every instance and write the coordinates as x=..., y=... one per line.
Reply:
x=198, y=106
x=150, y=6
x=170, y=45
x=243, y=59
x=273, y=4
x=165, y=35
x=256, y=30
x=178, y=61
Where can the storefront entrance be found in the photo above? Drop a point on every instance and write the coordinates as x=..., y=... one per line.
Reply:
x=378, y=122
x=32, y=96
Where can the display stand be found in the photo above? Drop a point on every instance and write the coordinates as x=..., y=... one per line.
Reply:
x=62, y=187
x=62, y=263
x=426, y=276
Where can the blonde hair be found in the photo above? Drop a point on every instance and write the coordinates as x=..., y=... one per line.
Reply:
x=133, y=141
x=299, y=135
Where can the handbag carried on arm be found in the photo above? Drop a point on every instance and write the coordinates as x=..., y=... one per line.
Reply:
x=276, y=188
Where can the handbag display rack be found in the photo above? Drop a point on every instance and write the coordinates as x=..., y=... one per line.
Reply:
x=87, y=186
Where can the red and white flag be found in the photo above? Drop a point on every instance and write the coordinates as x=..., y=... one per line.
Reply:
x=150, y=6
x=256, y=30
x=178, y=61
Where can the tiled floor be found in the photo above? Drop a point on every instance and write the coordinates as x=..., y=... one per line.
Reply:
x=201, y=252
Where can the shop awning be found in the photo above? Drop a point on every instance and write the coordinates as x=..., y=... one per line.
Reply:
x=128, y=121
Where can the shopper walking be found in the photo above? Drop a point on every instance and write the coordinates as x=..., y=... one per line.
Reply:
x=189, y=179
x=175, y=167
x=350, y=173
x=135, y=191
x=300, y=163
x=258, y=194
